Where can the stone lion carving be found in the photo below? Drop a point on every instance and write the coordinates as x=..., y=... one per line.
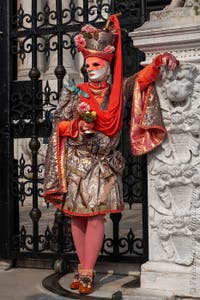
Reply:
x=179, y=86
x=179, y=94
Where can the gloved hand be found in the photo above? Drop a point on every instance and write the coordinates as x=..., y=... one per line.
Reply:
x=84, y=126
x=151, y=72
x=166, y=59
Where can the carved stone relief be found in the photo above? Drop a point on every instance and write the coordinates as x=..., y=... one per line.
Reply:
x=181, y=54
x=174, y=169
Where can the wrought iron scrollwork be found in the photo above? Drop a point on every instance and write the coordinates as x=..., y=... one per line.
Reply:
x=127, y=245
x=22, y=18
x=45, y=240
x=131, y=244
x=72, y=14
x=26, y=240
x=117, y=247
x=46, y=16
x=99, y=12
x=22, y=47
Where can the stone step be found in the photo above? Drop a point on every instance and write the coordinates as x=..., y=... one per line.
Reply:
x=146, y=294
x=106, y=285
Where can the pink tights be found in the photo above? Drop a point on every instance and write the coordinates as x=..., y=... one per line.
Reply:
x=88, y=234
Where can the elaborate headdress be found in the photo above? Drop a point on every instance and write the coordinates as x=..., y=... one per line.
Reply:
x=92, y=41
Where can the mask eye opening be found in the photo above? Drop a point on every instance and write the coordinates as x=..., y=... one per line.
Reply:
x=95, y=64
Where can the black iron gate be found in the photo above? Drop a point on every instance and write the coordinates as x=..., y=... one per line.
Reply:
x=28, y=100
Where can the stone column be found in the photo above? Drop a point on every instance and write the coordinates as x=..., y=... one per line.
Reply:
x=174, y=167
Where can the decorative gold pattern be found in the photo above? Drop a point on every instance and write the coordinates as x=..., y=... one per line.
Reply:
x=83, y=175
x=100, y=93
x=147, y=130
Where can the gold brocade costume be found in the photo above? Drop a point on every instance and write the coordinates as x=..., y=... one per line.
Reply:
x=91, y=167
x=93, y=175
x=83, y=174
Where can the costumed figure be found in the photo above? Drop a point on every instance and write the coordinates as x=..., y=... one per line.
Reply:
x=83, y=167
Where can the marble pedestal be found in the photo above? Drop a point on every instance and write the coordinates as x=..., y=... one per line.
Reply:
x=183, y=281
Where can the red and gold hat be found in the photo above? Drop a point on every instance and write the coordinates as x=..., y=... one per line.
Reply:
x=95, y=42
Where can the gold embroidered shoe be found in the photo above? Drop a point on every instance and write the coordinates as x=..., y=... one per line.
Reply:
x=76, y=282
x=86, y=281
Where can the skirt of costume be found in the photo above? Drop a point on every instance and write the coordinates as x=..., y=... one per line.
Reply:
x=94, y=168
x=83, y=176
